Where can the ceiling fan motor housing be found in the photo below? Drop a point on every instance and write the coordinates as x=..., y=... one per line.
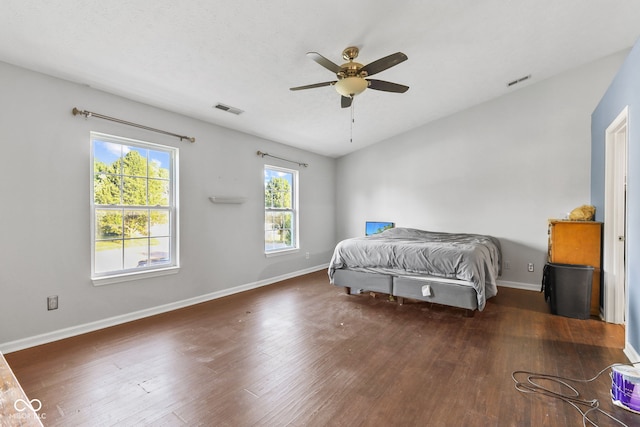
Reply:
x=351, y=80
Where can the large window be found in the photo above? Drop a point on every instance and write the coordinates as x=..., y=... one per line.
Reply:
x=280, y=209
x=134, y=207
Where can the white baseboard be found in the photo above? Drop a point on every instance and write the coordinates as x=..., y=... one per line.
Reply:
x=48, y=337
x=519, y=285
x=631, y=353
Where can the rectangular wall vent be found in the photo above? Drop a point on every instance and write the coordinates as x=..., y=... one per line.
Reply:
x=520, y=80
x=228, y=109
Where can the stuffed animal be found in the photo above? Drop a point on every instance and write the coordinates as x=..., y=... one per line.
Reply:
x=583, y=213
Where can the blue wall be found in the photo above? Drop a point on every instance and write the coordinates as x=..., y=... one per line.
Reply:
x=623, y=91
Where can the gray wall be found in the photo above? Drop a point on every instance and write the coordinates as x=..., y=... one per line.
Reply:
x=44, y=219
x=624, y=91
x=502, y=168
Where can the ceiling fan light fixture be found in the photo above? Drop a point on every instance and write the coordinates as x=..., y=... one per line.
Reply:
x=351, y=86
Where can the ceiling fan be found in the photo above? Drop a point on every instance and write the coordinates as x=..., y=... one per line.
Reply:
x=351, y=76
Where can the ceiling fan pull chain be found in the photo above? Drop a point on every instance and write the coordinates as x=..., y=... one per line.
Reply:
x=352, y=120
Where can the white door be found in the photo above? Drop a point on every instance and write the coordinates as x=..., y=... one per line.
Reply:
x=615, y=216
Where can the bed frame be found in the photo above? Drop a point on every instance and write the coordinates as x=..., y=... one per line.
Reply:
x=401, y=287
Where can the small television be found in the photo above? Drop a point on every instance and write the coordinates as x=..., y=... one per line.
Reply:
x=375, y=227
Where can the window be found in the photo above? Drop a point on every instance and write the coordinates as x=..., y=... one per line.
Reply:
x=280, y=209
x=134, y=207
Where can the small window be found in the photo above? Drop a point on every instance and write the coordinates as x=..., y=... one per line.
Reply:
x=134, y=206
x=280, y=209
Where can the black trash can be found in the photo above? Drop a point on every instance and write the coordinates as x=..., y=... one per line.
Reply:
x=567, y=288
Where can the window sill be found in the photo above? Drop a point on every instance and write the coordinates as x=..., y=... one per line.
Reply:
x=108, y=280
x=282, y=252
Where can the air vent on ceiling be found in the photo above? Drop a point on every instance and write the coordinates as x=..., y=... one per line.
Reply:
x=520, y=80
x=228, y=109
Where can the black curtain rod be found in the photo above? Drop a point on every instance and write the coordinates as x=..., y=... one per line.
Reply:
x=262, y=154
x=85, y=113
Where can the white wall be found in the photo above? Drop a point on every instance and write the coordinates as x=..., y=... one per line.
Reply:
x=44, y=215
x=502, y=168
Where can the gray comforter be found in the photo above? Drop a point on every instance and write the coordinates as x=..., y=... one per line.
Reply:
x=409, y=252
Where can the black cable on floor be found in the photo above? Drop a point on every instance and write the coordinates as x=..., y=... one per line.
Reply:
x=531, y=384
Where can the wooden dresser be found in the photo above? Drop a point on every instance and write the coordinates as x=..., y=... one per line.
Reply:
x=578, y=242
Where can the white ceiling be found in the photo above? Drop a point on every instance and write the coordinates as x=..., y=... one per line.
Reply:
x=188, y=55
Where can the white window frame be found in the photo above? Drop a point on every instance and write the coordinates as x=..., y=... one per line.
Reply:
x=294, y=211
x=149, y=270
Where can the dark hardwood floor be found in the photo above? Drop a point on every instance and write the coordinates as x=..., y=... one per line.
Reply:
x=302, y=352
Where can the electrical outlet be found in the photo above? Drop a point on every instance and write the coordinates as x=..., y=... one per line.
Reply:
x=530, y=267
x=507, y=265
x=307, y=255
x=52, y=302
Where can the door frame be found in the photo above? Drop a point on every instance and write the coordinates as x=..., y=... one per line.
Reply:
x=615, y=216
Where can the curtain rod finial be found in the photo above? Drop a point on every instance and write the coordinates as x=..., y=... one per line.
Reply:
x=75, y=112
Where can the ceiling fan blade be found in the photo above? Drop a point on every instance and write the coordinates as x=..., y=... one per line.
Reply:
x=387, y=86
x=329, y=65
x=313, y=85
x=383, y=63
x=345, y=101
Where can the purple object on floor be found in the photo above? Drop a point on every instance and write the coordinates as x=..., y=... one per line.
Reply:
x=625, y=387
